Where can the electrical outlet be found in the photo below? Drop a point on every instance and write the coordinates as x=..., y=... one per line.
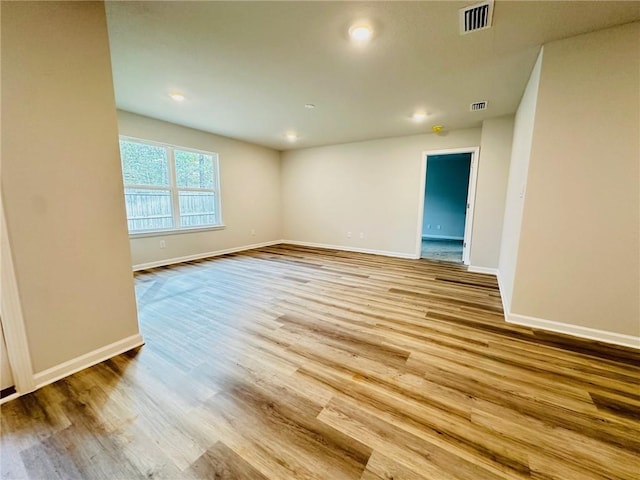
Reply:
x=163, y=244
x=348, y=234
x=361, y=234
x=437, y=227
x=429, y=226
x=253, y=231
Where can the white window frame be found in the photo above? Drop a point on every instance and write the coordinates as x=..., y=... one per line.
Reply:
x=175, y=190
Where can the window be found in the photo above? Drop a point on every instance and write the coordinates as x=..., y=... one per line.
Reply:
x=169, y=188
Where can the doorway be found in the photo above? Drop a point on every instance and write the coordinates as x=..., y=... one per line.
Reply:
x=446, y=209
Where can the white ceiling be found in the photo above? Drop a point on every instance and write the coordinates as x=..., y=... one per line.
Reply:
x=248, y=68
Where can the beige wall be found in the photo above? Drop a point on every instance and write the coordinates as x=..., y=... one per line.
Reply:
x=579, y=254
x=491, y=191
x=249, y=185
x=371, y=187
x=516, y=189
x=61, y=180
x=6, y=377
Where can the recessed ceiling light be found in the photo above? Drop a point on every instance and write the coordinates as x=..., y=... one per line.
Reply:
x=360, y=33
x=310, y=105
x=178, y=97
x=291, y=136
x=419, y=116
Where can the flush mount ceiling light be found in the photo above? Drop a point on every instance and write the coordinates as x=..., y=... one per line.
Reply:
x=178, y=97
x=437, y=128
x=419, y=116
x=360, y=33
x=310, y=106
x=291, y=136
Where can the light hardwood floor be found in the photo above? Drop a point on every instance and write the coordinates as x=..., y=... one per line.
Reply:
x=299, y=363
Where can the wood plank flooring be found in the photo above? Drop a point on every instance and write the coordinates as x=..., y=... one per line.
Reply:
x=298, y=363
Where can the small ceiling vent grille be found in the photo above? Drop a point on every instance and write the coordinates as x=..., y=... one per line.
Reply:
x=478, y=106
x=476, y=17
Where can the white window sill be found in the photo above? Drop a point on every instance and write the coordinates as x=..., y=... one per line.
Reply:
x=175, y=231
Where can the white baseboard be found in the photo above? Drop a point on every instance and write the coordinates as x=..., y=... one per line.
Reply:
x=87, y=360
x=566, y=328
x=8, y=398
x=198, y=256
x=441, y=237
x=351, y=249
x=575, y=330
x=486, y=270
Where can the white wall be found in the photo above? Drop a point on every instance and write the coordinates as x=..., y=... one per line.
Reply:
x=491, y=192
x=61, y=180
x=579, y=254
x=371, y=187
x=516, y=190
x=249, y=185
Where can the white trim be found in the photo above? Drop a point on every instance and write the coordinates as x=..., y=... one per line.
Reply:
x=198, y=256
x=505, y=307
x=485, y=270
x=13, y=396
x=575, y=330
x=441, y=237
x=450, y=151
x=566, y=328
x=87, y=360
x=384, y=253
x=421, y=194
x=471, y=205
x=471, y=196
x=12, y=319
x=175, y=231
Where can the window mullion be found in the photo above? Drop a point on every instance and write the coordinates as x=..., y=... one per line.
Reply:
x=192, y=189
x=147, y=187
x=174, y=188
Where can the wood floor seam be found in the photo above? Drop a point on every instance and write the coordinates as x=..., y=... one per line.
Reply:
x=290, y=362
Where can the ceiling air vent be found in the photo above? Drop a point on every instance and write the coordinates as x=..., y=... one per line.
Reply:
x=478, y=106
x=476, y=17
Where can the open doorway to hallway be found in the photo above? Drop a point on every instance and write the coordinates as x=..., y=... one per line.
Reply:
x=442, y=249
x=449, y=180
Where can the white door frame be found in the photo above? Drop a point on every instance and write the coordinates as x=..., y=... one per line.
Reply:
x=12, y=320
x=471, y=196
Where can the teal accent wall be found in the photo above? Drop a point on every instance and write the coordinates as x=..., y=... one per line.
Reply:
x=445, y=198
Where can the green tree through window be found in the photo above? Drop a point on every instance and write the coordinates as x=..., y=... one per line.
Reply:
x=169, y=188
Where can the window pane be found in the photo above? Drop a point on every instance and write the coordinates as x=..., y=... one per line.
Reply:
x=148, y=209
x=197, y=209
x=144, y=164
x=194, y=170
